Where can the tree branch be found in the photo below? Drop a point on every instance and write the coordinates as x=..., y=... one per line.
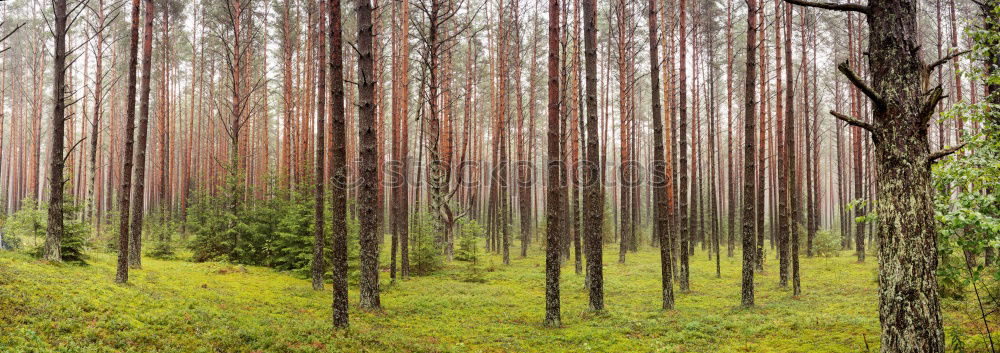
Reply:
x=852, y=121
x=936, y=95
x=861, y=84
x=945, y=59
x=934, y=156
x=831, y=6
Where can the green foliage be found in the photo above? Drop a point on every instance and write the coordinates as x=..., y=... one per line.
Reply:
x=826, y=243
x=425, y=254
x=870, y=216
x=469, y=233
x=245, y=309
x=27, y=222
x=278, y=232
x=966, y=203
x=76, y=233
x=162, y=250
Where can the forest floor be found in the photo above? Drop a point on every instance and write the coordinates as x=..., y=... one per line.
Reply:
x=178, y=306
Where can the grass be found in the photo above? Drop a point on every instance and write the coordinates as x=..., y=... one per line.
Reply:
x=176, y=306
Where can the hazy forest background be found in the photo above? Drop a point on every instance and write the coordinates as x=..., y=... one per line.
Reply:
x=499, y=175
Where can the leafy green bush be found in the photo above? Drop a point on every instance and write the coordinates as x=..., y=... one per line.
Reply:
x=9, y=242
x=28, y=222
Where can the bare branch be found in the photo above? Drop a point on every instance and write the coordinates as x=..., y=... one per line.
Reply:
x=934, y=156
x=936, y=95
x=853, y=121
x=861, y=85
x=945, y=59
x=831, y=6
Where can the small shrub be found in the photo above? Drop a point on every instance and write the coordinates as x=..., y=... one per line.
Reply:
x=468, y=232
x=9, y=242
x=826, y=243
x=162, y=250
x=27, y=222
x=32, y=219
x=71, y=249
x=425, y=256
x=474, y=273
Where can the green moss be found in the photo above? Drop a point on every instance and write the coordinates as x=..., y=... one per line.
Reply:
x=174, y=306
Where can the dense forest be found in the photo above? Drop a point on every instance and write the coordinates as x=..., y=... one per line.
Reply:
x=499, y=175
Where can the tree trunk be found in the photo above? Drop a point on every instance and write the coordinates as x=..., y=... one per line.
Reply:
x=909, y=308
x=792, y=186
x=685, y=235
x=338, y=167
x=749, y=168
x=556, y=183
x=593, y=182
x=54, y=233
x=318, y=266
x=367, y=200
x=138, y=195
x=660, y=215
x=121, y=275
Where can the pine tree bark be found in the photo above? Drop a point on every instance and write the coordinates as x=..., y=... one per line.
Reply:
x=593, y=181
x=660, y=214
x=54, y=233
x=794, y=204
x=121, y=275
x=338, y=167
x=556, y=183
x=318, y=266
x=909, y=306
x=138, y=193
x=367, y=200
x=732, y=178
x=685, y=234
x=749, y=167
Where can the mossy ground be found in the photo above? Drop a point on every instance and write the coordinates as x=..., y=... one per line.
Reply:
x=177, y=306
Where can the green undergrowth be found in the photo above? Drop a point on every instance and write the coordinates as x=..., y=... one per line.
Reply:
x=178, y=306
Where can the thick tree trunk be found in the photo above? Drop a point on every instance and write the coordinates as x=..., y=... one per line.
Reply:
x=338, y=166
x=909, y=307
x=593, y=182
x=367, y=200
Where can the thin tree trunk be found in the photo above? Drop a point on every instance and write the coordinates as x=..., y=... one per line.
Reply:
x=685, y=234
x=121, y=275
x=138, y=194
x=555, y=187
x=660, y=214
x=749, y=168
x=318, y=266
x=54, y=233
